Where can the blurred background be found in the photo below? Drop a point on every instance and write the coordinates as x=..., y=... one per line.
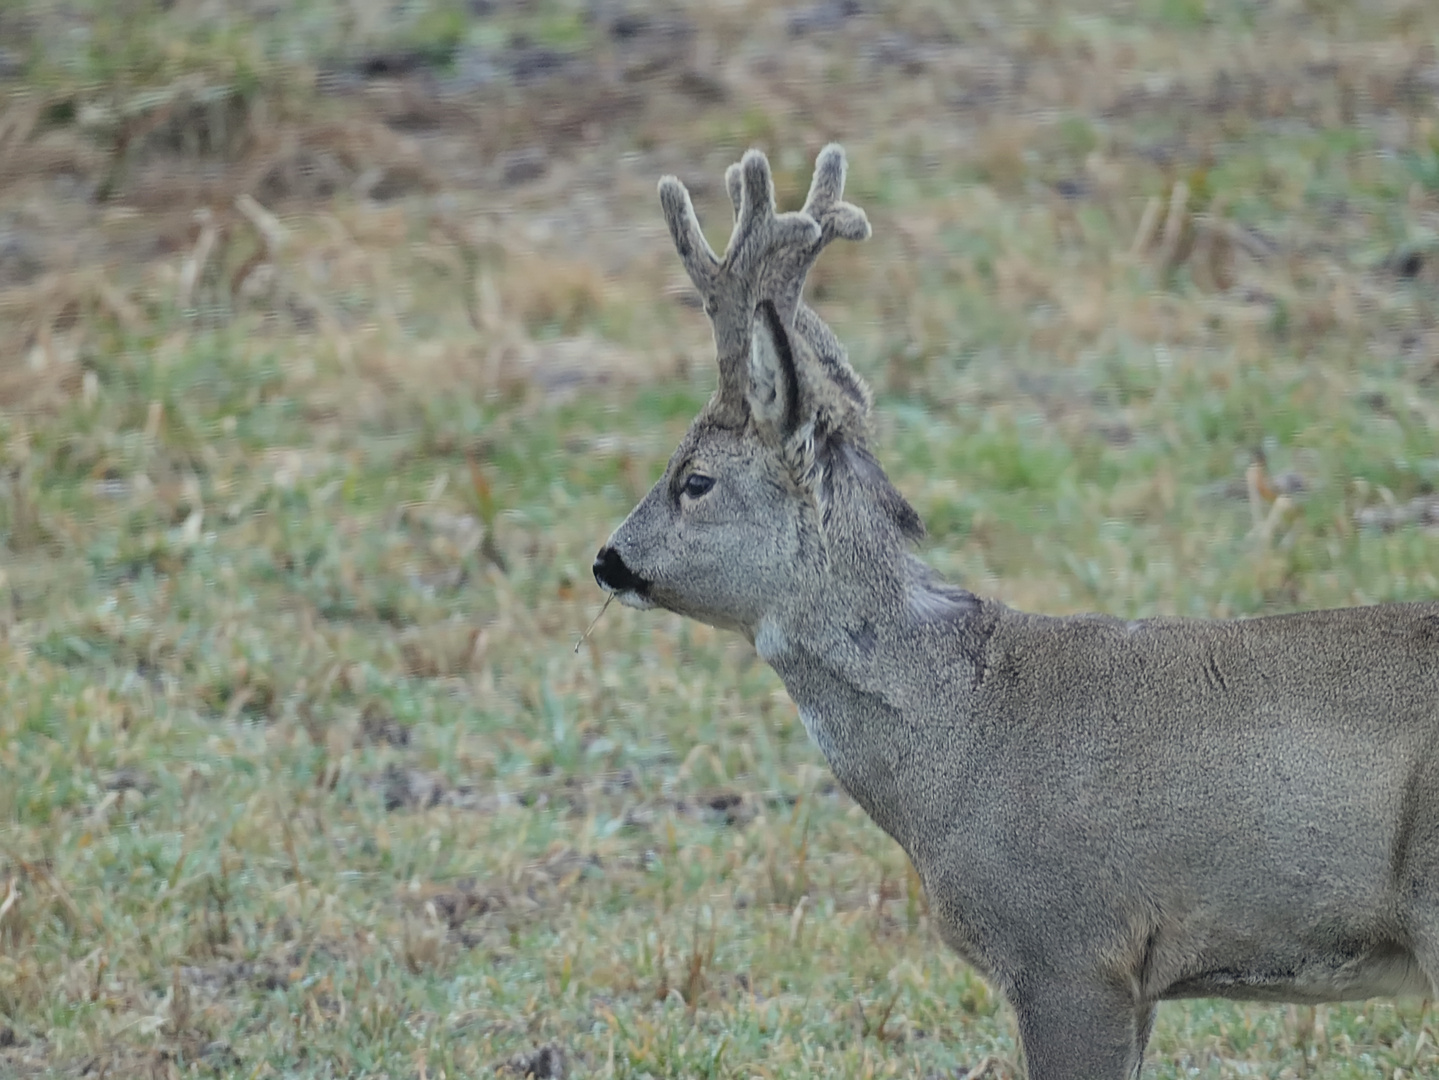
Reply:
x=337, y=335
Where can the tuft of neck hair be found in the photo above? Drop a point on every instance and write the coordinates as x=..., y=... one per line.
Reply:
x=1105, y=814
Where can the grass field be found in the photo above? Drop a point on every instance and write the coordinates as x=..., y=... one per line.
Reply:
x=336, y=336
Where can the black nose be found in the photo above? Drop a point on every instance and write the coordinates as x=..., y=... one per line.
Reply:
x=613, y=575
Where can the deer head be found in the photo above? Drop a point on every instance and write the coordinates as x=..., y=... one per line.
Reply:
x=772, y=499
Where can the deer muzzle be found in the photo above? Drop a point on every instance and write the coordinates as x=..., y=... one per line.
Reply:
x=612, y=575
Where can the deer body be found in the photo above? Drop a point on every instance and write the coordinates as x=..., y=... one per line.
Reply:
x=1104, y=814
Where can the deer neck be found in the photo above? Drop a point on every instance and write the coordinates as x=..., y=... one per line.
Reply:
x=848, y=711
x=841, y=654
x=847, y=643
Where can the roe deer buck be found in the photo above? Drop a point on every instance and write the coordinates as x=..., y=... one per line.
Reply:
x=1105, y=813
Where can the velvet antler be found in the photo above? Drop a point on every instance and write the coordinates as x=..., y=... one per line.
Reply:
x=767, y=258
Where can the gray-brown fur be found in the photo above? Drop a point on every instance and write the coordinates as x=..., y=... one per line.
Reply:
x=1106, y=814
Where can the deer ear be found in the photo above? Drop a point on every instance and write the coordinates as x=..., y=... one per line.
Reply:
x=774, y=388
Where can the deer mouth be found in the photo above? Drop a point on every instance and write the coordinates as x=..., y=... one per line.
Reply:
x=612, y=575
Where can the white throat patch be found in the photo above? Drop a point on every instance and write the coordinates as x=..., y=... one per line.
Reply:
x=818, y=733
x=770, y=641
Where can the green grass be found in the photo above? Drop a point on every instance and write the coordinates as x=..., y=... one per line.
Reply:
x=300, y=772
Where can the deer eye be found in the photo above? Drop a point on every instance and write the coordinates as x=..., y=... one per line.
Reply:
x=697, y=484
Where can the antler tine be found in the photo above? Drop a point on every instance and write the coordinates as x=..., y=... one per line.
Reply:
x=836, y=217
x=756, y=186
x=837, y=220
x=735, y=186
x=694, y=250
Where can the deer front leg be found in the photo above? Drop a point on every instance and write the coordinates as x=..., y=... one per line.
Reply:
x=1076, y=1029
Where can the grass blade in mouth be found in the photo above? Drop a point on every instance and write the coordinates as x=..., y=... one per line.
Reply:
x=593, y=621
